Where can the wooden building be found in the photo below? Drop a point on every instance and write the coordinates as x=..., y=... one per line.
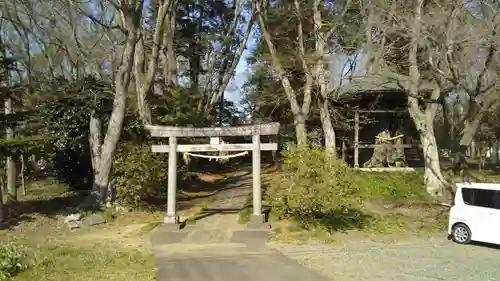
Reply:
x=371, y=112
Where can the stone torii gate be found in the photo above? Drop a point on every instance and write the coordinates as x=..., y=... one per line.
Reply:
x=172, y=133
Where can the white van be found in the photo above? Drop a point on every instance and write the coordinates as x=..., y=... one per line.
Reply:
x=475, y=214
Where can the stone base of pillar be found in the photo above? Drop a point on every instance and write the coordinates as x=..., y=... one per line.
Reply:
x=258, y=222
x=169, y=219
x=171, y=222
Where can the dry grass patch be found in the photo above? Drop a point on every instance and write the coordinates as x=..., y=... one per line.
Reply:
x=117, y=250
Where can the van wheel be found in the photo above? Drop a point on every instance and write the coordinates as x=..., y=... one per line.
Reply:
x=461, y=234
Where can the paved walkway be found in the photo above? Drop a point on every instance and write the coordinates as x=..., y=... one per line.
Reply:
x=217, y=248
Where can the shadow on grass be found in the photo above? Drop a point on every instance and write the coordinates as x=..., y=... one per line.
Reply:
x=341, y=219
x=51, y=200
x=207, y=212
x=24, y=211
x=245, y=213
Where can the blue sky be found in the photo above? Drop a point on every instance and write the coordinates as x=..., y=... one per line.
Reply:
x=234, y=91
x=338, y=68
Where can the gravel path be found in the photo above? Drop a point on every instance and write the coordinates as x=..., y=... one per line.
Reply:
x=414, y=260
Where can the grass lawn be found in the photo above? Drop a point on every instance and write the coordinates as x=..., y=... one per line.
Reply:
x=100, y=261
x=115, y=251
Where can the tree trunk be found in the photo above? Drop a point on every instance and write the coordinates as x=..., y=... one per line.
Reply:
x=23, y=173
x=99, y=191
x=474, y=115
x=100, y=188
x=473, y=149
x=465, y=141
x=101, y=178
x=10, y=165
x=230, y=61
x=11, y=181
x=2, y=216
x=432, y=176
x=319, y=74
x=145, y=72
x=497, y=156
x=300, y=130
x=469, y=131
x=423, y=115
x=480, y=165
x=95, y=141
x=169, y=57
x=424, y=122
x=328, y=129
x=300, y=112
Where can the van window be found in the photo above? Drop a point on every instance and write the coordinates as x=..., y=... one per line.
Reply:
x=480, y=197
x=467, y=196
x=496, y=199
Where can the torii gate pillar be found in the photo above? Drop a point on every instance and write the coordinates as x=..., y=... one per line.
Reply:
x=257, y=219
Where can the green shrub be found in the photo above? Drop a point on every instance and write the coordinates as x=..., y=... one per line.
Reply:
x=139, y=175
x=314, y=187
x=13, y=260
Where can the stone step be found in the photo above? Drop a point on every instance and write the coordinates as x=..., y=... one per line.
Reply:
x=209, y=236
x=185, y=250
